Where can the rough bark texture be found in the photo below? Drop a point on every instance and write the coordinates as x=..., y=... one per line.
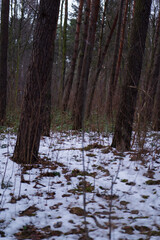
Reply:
x=70, y=77
x=80, y=103
x=3, y=59
x=125, y=115
x=38, y=78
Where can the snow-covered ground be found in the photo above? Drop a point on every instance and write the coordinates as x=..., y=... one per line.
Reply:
x=46, y=201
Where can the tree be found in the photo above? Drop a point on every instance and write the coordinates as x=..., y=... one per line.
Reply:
x=38, y=78
x=112, y=83
x=80, y=102
x=99, y=67
x=70, y=77
x=81, y=53
x=3, y=59
x=156, y=109
x=125, y=115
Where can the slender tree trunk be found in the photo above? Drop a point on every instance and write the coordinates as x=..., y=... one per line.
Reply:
x=81, y=97
x=121, y=44
x=64, y=50
x=102, y=31
x=70, y=77
x=81, y=53
x=125, y=115
x=112, y=84
x=38, y=77
x=156, y=109
x=3, y=59
x=99, y=67
x=152, y=84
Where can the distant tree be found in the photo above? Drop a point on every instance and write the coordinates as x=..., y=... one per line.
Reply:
x=100, y=63
x=38, y=78
x=125, y=115
x=112, y=83
x=81, y=97
x=81, y=52
x=156, y=109
x=3, y=59
x=70, y=76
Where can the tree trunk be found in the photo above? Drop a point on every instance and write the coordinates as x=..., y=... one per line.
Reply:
x=81, y=53
x=112, y=83
x=70, y=77
x=156, y=109
x=38, y=77
x=121, y=44
x=125, y=115
x=3, y=59
x=99, y=67
x=81, y=97
x=64, y=50
x=153, y=75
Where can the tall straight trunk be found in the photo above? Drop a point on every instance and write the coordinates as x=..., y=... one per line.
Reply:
x=112, y=83
x=3, y=59
x=70, y=77
x=38, y=78
x=64, y=50
x=152, y=84
x=81, y=97
x=156, y=109
x=154, y=49
x=121, y=44
x=125, y=115
x=99, y=67
x=60, y=31
x=81, y=53
x=102, y=31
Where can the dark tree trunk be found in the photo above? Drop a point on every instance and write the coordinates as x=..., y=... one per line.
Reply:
x=64, y=50
x=121, y=45
x=125, y=115
x=99, y=67
x=112, y=83
x=3, y=59
x=156, y=109
x=81, y=97
x=81, y=53
x=70, y=77
x=152, y=82
x=38, y=78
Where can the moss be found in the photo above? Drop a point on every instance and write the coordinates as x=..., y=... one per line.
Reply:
x=145, y=196
x=153, y=182
x=124, y=180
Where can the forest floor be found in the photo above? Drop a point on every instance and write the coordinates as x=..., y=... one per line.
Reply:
x=46, y=200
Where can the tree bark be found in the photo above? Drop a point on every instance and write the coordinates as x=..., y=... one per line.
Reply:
x=70, y=77
x=81, y=53
x=156, y=109
x=125, y=115
x=38, y=77
x=81, y=97
x=3, y=59
x=99, y=67
x=64, y=50
x=112, y=83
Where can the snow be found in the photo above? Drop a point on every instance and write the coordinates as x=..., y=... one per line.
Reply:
x=45, y=196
